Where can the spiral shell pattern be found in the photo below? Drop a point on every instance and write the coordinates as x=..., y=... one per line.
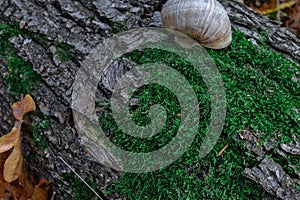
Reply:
x=204, y=20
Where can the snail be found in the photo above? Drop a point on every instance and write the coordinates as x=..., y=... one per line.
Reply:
x=203, y=20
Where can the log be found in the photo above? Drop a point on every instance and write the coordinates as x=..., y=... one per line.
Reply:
x=80, y=26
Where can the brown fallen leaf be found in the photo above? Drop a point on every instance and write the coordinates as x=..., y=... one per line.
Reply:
x=22, y=107
x=272, y=7
x=8, y=141
x=3, y=157
x=10, y=190
x=26, y=181
x=41, y=190
x=293, y=23
x=13, y=165
x=15, y=182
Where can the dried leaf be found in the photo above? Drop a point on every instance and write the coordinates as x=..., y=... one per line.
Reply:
x=272, y=7
x=9, y=140
x=9, y=190
x=293, y=24
x=6, y=190
x=264, y=7
x=13, y=165
x=15, y=182
x=26, y=182
x=41, y=190
x=12, y=191
x=22, y=107
x=3, y=157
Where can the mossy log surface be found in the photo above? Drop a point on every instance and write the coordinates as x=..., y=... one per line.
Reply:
x=56, y=36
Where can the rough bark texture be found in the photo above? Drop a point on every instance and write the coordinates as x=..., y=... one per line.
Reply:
x=269, y=173
x=274, y=180
x=83, y=24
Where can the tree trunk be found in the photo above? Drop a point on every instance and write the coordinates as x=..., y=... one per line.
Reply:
x=81, y=25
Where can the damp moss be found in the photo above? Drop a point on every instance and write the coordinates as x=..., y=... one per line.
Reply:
x=261, y=95
x=19, y=76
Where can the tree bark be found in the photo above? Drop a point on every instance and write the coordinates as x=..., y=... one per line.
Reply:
x=82, y=25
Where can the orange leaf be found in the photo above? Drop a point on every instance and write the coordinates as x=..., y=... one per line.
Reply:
x=22, y=107
x=9, y=190
x=9, y=140
x=3, y=157
x=15, y=183
x=25, y=180
x=5, y=190
x=41, y=190
x=12, y=190
x=19, y=189
x=13, y=165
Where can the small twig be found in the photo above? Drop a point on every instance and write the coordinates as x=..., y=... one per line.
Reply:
x=81, y=178
x=223, y=149
x=53, y=196
x=278, y=10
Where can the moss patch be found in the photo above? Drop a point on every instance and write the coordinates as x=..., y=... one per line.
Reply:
x=19, y=77
x=63, y=51
x=260, y=95
x=78, y=188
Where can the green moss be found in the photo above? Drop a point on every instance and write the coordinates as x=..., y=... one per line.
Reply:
x=91, y=18
x=39, y=38
x=20, y=77
x=117, y=27
x=63, y=51
x=78, y=188
x=40, y=126
x=260, y=95
x=298, y=186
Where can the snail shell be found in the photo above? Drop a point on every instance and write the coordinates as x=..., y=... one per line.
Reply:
x=204, y=20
